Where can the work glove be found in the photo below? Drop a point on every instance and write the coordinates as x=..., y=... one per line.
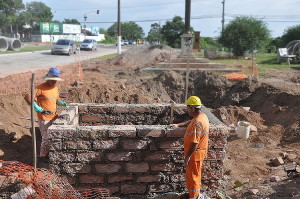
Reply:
x=46, y=112
x=39, y=109
x=62, y=103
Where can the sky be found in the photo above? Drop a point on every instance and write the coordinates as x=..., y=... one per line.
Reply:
x=206, y=15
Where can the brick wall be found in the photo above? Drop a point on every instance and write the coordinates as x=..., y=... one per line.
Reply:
x=133, y=161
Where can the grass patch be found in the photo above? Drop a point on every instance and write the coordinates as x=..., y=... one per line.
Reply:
x=264, y=61
x=105, y=57
x=27, y=49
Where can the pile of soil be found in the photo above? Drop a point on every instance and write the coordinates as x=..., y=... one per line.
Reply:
x=274, y=110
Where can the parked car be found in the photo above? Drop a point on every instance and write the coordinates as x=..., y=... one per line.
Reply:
x=64, y=46
x=88, y=44
x=126, y=42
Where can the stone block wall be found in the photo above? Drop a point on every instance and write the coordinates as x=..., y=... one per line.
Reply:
x=131, y=161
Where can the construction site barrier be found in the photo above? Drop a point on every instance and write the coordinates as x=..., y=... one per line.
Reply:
x=42, y=184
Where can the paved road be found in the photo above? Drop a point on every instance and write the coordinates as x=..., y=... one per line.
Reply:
x=30, y=61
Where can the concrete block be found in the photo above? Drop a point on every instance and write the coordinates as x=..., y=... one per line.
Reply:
x=122, y=131
x=134, y=144
x=99, y=109
x=160, y=188
x=87, y=157
x=121, y=108
x=150, y=130
x=175, y=132
x=149, y=178
x=172, y=144
x=59, y=131
x=92, y=132
x=105, y=144
x=73, y=168
x=140, y=108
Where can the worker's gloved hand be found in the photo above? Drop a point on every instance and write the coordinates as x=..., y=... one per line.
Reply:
x=46, y=112
x=61, y=103
x=37, y=108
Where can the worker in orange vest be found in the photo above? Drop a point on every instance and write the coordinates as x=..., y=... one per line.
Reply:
x=46, y=97
x=195, y=146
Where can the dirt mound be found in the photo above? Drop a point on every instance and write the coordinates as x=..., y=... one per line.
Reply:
x=137, y=57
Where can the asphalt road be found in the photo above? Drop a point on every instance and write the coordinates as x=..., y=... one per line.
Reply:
x=30, y=61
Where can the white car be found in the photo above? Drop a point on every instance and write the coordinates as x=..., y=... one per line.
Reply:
x=89, y=44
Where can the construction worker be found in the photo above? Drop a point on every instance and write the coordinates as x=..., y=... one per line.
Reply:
x=46, y=97
x=195, y=146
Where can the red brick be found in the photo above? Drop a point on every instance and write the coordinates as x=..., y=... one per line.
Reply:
x=90, y=118
x=172, y=144
x=134, y=144
x=137, y=167
x=164, y=167
x=112, y=189
x=91, y=179
x=107, y=168
x=149, y=178
x=114, y=179
x=105, y=144
x=121, y=156
x=133, y=188
x=157, y=156
x=82, y=108
x=121, y=108
x=70, y=179
x=81, y=145
x=99, y=109
x=140, y=108
x=175, y=132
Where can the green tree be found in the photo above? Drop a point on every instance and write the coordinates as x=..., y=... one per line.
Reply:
x=209, y=43
x=129, y=30
x=245, y=33
x=39, y=12
x=71, y=21
x=9, y=10
x=172, y=31
x=290, y=34
x=154, y=33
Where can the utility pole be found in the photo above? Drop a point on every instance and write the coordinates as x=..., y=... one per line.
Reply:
x=223, y=16
x=119, y=28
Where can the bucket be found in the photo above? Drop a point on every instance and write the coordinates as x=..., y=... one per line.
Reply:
x=243, y=129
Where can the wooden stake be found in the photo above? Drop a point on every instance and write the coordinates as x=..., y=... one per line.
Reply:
x=32, y=124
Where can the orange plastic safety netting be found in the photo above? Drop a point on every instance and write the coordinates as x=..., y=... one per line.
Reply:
x=42, y=184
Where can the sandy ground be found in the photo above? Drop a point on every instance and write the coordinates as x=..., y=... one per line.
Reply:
x=274, y=109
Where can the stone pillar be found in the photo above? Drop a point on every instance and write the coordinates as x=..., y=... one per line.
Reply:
x=186, y=38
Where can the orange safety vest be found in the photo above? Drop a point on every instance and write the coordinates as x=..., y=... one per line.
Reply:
x=46, y=97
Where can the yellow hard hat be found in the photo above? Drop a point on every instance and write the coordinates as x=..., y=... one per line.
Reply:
x=193, y=101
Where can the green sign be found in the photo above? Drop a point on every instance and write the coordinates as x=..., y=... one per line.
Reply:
x=50, y=28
